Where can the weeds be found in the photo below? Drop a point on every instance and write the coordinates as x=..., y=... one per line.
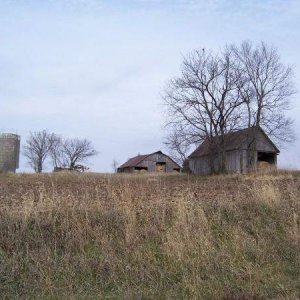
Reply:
x=150, y=237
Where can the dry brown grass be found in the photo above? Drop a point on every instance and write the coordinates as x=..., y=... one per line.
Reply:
x=150, y=237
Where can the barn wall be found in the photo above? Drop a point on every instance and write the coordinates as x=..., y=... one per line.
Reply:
x=200, y=165
x=233, y=161
x=243, y=161
x=236, y=160
x=126, y=170
x=151, y=160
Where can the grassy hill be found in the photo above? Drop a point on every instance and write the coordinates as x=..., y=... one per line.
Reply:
x=150, y=237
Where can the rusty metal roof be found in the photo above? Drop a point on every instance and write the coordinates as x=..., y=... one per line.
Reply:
x=134, y=161
x=233, y=141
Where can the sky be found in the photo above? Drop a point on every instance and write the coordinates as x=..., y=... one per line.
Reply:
x=96, y=69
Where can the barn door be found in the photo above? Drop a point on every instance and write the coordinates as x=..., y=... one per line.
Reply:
x=161, y=167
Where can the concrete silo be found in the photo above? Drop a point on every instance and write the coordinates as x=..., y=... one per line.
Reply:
x=9, y=152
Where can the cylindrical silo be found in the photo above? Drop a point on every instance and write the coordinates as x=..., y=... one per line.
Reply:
x=9, y=152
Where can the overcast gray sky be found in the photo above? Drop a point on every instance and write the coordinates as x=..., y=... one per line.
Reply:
x=96, y=69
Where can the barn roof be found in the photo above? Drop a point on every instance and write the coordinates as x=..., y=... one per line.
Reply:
x=233, y=141
x=134, y=161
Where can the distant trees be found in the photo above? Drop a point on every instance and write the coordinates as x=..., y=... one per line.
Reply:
x=62, y=152
x=37, y=149
x=69, y=152
x=217, y=93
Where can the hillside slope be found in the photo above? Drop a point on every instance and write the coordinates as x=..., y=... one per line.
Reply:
x=150, y=237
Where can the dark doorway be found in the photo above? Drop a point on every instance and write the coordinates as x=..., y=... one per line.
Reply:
x=141, y=169
x=266, y=157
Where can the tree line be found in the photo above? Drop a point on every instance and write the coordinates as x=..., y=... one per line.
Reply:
x=61, y=152
x=217, y=93
x=241, y=86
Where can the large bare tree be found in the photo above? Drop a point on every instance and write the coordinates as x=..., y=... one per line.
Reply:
x=215, y=94
x=204, y=102
x=37, y=148
x=267, y=94
x=268, y=89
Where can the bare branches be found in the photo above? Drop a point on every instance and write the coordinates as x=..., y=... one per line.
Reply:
x=63, y=153
x=57, y=153
x=243, y=86
x=37, y=148
x=269, y=89
x=76, y=150
x=206, y=95
x=178, y=145
x=204, y=101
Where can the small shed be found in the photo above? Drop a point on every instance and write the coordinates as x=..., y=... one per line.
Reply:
x=155, y=162
x=246, y=150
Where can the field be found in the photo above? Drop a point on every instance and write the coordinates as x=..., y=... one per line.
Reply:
x=89, y=236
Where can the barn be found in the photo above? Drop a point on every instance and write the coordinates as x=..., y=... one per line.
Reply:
x=154, y=162
x=246, y=150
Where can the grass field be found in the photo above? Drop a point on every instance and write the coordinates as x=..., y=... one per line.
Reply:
x=92, y=236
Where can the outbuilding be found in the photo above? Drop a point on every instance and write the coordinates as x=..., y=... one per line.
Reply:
x=246, y=150
x=154, y=162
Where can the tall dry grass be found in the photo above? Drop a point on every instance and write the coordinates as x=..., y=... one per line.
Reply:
x=150, y=237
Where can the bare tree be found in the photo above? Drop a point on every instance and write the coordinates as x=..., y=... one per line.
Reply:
x=178, y=145
x=37, y=149
x=243, y=86
x=268, y=90
x=57, y=153
x=204, y=101
x=76, y=150
x=267, y=93
x=114, y=165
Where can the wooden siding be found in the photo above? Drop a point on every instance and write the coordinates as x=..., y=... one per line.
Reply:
x=262, y=144
x=200, y=165
x=157, y=162
x=150, y=162
x=236, y=160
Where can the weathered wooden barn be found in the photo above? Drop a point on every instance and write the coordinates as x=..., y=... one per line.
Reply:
x=245, y=151
x=154, y=162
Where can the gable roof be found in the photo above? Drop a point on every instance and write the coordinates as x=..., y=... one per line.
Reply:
x=233, y=141
x=134, y=161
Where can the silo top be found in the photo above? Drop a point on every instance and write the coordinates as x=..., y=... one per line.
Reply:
x=9, y=136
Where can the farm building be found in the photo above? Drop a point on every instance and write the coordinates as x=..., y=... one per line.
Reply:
x=9, y=152
x=154, y=162
x=246, y=150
